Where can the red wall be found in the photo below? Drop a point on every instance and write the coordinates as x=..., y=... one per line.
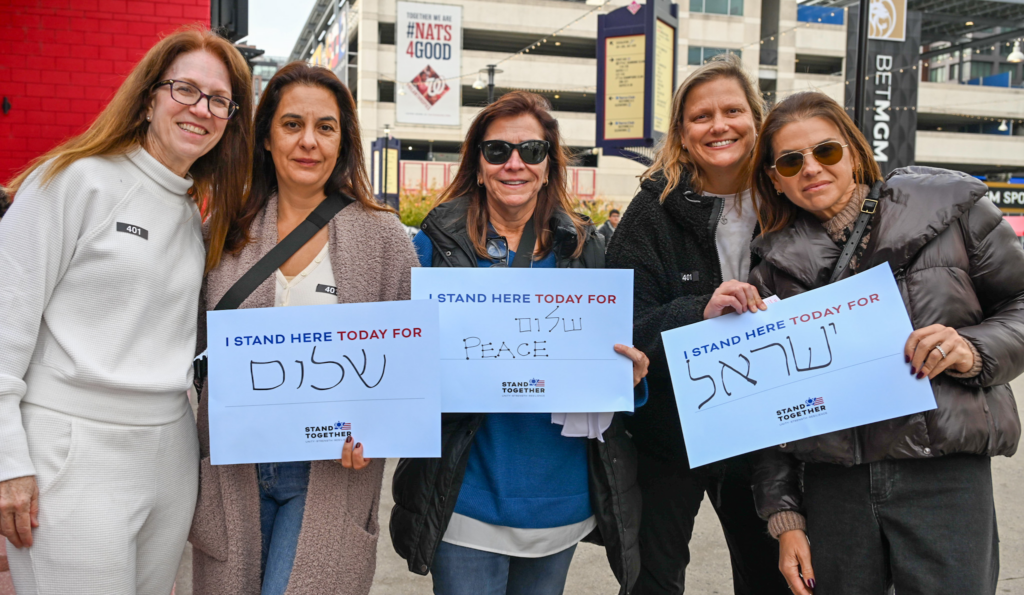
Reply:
x=62, y=60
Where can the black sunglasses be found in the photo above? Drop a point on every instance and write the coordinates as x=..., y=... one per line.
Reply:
x=827, y=153
x=497, y=152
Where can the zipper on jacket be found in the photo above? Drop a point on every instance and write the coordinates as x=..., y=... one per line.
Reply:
x=716, y=215
x=858, y=454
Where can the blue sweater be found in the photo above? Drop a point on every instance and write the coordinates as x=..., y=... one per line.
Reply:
x=521, y=472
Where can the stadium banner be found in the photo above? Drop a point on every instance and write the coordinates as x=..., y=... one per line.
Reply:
x=429, y=49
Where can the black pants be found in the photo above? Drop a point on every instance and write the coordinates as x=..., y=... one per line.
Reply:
x=926, y=526
x=671, y=499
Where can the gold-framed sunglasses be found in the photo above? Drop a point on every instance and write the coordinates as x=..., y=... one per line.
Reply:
x=826, y=153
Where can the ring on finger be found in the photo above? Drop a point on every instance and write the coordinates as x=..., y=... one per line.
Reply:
x=941, y=351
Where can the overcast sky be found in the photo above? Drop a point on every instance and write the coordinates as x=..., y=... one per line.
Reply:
x=274, y=25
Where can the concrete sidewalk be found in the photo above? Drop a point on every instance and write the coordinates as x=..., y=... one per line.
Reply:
x=709, y=571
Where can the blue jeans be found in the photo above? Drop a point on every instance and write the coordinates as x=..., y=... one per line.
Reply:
x=282, y=502
x=461, y=570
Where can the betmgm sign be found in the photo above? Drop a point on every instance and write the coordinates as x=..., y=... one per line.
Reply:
x=890, y=89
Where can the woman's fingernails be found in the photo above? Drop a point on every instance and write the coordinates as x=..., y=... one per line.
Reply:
x=913, y=370
x=811, y=583
x=349, y=439
x=359, y=444
x=906, y=358
x=920, y=375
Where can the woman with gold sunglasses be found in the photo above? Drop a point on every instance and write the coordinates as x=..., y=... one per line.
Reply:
x=875, y=501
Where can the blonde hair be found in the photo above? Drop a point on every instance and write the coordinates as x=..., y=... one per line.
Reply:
x=220, y=177
x=672, y=162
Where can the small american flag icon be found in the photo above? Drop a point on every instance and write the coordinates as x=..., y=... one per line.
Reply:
x=816, y=401
x=343, y=426
x=536, y=383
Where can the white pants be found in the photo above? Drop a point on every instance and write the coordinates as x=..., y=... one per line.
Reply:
x=115, y=505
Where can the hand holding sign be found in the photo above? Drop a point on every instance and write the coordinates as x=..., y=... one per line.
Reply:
x=352, y=455
x=932, y=350
x=733, y=296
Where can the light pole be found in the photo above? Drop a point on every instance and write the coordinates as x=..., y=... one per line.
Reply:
x=490, y=83
x=491, y=70
x=864, y=16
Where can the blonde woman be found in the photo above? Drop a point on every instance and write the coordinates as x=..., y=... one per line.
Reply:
x=687, y=236
x=102, y=258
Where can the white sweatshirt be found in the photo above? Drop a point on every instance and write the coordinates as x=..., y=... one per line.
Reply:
x=100, y=272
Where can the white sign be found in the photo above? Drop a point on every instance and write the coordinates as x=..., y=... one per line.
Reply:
x=532, y=340
x=293, y=384
x=428, y=43
x=821, y=361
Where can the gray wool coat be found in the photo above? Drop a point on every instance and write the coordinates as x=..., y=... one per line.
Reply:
x=371, y=257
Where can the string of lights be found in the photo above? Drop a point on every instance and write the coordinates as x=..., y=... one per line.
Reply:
x=544, y=40
x=588, y=90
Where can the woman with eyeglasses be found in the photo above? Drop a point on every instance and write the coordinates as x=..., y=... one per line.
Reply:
x=905, y=502
x=687, y=235
x=502, y=510
x=102, y=257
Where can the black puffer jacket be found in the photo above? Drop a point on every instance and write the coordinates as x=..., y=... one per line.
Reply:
x=426, y=490
x=957, y=263
x=672, y=250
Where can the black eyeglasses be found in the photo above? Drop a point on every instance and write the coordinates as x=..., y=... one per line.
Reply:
x=827, y=153
x=497, y=249
x=498, y=152
x=188, y=94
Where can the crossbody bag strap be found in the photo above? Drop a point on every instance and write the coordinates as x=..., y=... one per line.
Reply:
x=527, y=243
x=284, y=250
x=271, y=261
x=866, y=211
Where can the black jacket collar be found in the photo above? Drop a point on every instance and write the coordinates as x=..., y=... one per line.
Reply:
x=917, y=204
x=445, y=225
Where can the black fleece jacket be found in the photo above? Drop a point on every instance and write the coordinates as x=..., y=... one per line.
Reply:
x=676, y=268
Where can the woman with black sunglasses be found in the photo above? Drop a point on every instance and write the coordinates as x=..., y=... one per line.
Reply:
x=877, y=501
x=503, y=508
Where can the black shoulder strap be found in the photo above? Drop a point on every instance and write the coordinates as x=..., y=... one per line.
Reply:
x=527, y=243
x=284, y=250
x=270, y=262
x=866, y=211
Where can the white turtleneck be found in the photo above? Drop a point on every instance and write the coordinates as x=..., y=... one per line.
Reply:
x=99, y=297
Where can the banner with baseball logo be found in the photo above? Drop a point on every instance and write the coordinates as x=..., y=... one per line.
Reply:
x=429, y=49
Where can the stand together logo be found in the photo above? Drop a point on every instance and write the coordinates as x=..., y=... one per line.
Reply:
x=812, y=407
x=527, y=388
x=335, y=432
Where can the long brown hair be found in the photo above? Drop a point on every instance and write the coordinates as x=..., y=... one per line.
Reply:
x=672, y=161
x=349, y=176
x=553, y=197
x=775, y=211
x=219, y=178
